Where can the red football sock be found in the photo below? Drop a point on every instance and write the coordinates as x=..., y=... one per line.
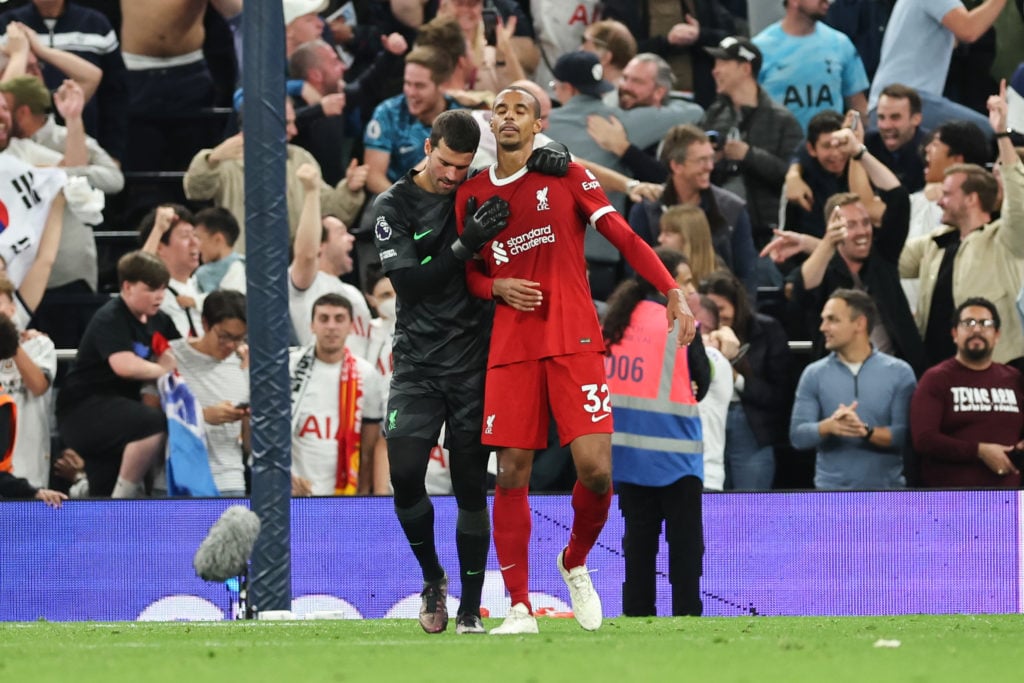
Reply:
x=590, y=513
x=512, y=541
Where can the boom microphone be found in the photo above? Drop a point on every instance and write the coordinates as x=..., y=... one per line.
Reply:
x=225, y=551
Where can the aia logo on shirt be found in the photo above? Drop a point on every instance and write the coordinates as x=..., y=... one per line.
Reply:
x=542, y=199
x=499, y=252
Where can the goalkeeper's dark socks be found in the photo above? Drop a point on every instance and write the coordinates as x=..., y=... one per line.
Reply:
x=418, y=524
x=472, y=540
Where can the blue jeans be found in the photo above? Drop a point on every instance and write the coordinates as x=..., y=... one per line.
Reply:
x=748, y=465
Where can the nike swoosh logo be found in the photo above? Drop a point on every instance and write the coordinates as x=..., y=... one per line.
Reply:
x=420, y=235
x=470, y=572
x=598, y=418
x=508, y=567
x=405, y=149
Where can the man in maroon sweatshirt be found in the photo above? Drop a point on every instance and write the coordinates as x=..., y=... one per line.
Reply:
x=965, y=416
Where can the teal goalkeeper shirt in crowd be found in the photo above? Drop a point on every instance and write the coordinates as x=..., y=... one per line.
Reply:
x=395, y=131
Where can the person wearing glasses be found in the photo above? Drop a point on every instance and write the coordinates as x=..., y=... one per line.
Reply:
x=968, y=430
x=973, y=254
x=215, y=367
x=852, y=405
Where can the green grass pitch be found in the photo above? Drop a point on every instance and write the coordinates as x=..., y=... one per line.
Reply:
x=829, y=650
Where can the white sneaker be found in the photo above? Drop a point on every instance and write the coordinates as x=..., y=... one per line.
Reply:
x=586, y=604
x=519, y=620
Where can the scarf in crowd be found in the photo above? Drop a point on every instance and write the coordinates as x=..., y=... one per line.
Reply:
x=350, y=418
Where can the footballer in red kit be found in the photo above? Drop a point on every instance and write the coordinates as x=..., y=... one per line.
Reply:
x=546, y=347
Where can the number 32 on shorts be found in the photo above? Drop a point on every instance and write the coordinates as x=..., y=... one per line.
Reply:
x=598, y=401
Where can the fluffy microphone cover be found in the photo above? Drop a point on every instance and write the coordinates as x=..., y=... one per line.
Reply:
x=225, y=551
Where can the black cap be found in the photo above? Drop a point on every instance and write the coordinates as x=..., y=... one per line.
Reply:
x=739, y=49
x=583, y=71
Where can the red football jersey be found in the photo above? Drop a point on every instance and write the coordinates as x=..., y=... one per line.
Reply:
x=543, y=243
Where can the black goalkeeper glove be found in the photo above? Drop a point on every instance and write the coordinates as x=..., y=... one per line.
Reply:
x=551, y=159
x=481, y=226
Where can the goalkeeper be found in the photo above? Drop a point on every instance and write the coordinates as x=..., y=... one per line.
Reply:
x=440, y=350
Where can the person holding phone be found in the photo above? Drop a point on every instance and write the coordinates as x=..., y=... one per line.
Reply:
x=215, y=367
x=854, y=254
x=501, y=44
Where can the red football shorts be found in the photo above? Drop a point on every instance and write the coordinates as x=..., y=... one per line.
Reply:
x=519, y=399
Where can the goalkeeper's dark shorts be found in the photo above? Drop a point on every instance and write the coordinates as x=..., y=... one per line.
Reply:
x=418, y=405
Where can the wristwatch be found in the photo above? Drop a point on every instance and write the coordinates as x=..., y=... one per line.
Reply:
x=859, y=153
x=871, y=430
x=631, y=185
x=1004, y=133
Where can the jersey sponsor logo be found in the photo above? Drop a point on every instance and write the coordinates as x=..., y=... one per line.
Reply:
x=420, y=235
x=382, y=229
x=530, y=239
x=579, y=15
x=498, y=250
x=542, y=199
x=388, y=253
x=326, y=428
x=437, y=455
x=373, y=129
x=489, y=429
x=591, y=184
x=406, y=149
x=794, y=98
x=984, y=400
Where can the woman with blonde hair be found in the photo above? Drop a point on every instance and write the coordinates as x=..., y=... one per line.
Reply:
x=685, y=228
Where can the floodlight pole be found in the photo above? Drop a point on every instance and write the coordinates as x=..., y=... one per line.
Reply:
x=266, y=229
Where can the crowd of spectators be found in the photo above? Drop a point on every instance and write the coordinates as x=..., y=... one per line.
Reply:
x=845, y=202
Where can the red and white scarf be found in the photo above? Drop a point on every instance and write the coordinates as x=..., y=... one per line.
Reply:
x=350, y=415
